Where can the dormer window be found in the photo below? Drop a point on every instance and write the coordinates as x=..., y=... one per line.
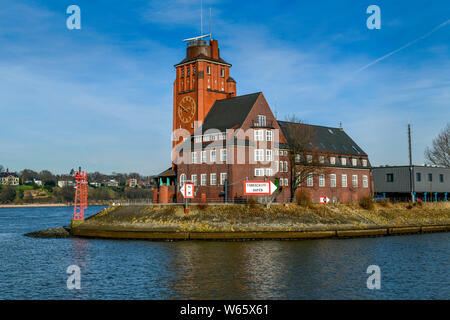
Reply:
x=261, y=120
x=354, y=162
x=332, y=160
x=364, y=162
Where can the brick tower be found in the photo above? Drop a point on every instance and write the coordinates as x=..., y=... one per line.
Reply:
x=202, y=78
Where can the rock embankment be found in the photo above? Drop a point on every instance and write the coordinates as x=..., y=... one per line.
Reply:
x=50, y=233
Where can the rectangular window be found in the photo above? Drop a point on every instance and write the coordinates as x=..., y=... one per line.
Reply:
x=212, y=156
x=332, y=160
x=188, y=71
x=259, y=172
x=223, y=155
x=182, y=73
x=269, y=155
x=285, y=166
x=222, y=72
x=309, y=158
x=213, y=179
x=354, y=162
x=355, y=181
x=194, y=179
x=259, y=154
x=203, y=179
x=365, y=182
x=203, y=156
x=193, y=70
x=259, y=135
x=269, y=135
x=297, y=158
x=389, y=177
x=194, y=157
x=268, y=172
x=418, y=176
x=261, y=120
x=223, y=177
x=364, y=162
x=321, y=180
x=322, y=159
x=344, y=161
x=441, y=178
x=281, y=152
x=344, y=181
x=208, y=70
x=309, y=180
x=281, y=182
x=286, y=182
x=332, y=180
x=198, y=139
x=430, y=177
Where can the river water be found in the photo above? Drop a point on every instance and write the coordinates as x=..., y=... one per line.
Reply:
x=412, y=266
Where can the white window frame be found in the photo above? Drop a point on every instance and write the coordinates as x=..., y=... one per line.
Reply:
x=321, y=180
x=208, y=69
x=286, y=182
x=262, y=121
x=321, y=159
x=269, y=155
x=364, y=162
x=333, y=180
x=259, y=172
x=194, y=179
x=194, y=157
x=213, y=179
x=259, y=135
x=269, y=135
x=310, y=180
x=212, y=156
x=259, y=154
x=223, y=177
x=285, y=166
x=355, y=181
x=223, y=155
x=269, y=172
x=203, y=179
x=309, y=158
x=344, y=161
x=332, y=160
x=344, y=181
x=354, y=162
x=203, y=157
x=182, y=179
x=365, y=181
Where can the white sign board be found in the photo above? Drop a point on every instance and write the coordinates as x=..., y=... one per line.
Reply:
x=187, y=190
x=259, y=187
x=324, y=199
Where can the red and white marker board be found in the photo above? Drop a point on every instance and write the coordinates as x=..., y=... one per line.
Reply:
x=187, y=190
x=324, y=199
x=259, y=187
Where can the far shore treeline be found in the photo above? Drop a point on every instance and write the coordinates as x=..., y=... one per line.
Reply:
x=46, y=187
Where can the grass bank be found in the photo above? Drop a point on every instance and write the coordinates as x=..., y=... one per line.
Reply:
x=256, y=218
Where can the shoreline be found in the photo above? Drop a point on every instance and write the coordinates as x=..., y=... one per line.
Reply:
x=254, y=235
x=45, y=205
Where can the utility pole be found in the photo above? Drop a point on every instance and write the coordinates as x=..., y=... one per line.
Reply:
x=411, y=175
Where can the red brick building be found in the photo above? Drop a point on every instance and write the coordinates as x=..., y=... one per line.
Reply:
x=224, y=140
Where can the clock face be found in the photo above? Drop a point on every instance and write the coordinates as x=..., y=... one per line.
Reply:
x=186, y=109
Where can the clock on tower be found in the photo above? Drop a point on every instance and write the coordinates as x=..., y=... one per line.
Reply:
x=202, y=78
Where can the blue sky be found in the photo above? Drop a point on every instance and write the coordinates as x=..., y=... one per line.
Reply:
x=101, y=97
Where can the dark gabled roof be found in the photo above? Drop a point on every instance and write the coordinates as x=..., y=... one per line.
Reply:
x=167, y=173
x=326, y=139
x=202, y=57
x=7, y=174
x=228, y=113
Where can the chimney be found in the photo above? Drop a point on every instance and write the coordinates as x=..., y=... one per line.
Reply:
x=214, y=49
x=340, y=126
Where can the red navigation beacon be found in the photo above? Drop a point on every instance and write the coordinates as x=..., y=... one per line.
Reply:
x=80, y=195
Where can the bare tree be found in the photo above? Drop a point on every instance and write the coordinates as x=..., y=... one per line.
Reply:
x=439, y=154
x=304, y=160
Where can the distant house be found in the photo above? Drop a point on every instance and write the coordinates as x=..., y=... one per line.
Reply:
x=95, y=184
x=37, y=182
x=132, y=183
x=9, y=178
x=112, y=183
x=64, y=183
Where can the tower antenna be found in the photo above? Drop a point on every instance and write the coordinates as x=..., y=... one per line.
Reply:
x=210, y=34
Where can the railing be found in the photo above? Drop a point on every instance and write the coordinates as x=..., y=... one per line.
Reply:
x=267, y=124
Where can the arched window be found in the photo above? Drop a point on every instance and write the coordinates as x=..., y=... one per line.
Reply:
x=182, y=179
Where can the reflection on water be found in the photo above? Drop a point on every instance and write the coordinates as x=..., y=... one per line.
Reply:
x=413, y=267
